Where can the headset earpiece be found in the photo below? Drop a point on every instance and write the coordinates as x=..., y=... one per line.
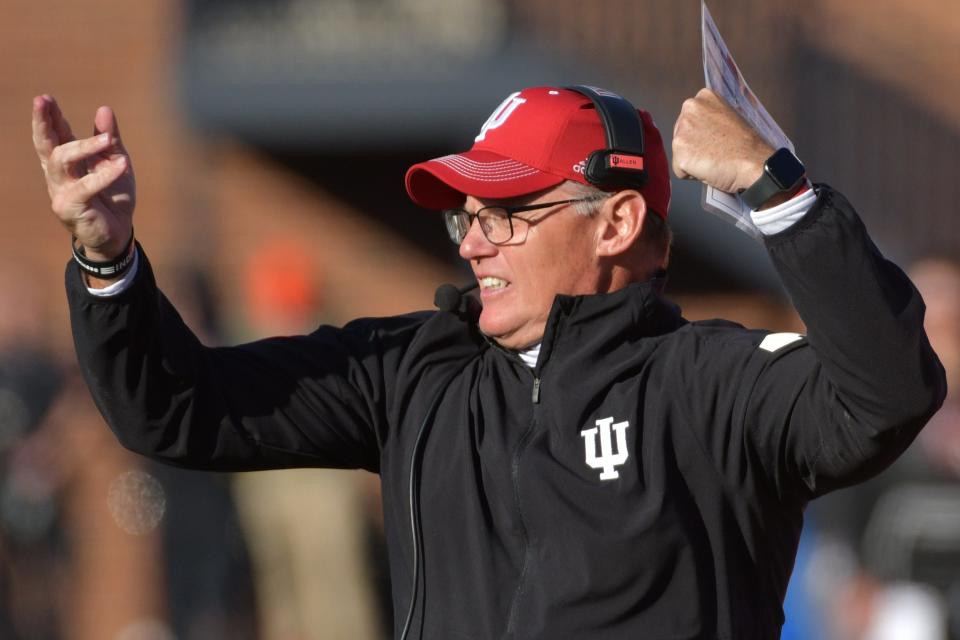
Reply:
x=620, y=165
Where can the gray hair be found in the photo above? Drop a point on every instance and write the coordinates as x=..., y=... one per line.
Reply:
x=595, y=197
x=656, y=233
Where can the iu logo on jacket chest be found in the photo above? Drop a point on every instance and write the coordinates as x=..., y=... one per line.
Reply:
x=608, y=460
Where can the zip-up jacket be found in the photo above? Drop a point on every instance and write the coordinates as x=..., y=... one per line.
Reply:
x=646, y=479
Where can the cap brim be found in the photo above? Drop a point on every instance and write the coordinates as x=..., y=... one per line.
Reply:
x=443, y=183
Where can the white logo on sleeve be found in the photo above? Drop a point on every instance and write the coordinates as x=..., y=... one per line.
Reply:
x=500, y=114
x=607, y=459
x=776, y=341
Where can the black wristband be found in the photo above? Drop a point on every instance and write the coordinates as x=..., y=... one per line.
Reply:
x=107, y=269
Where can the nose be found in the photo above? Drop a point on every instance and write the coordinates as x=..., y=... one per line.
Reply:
x=475, y=245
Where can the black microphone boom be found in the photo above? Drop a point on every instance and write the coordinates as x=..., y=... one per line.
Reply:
x=448, y=297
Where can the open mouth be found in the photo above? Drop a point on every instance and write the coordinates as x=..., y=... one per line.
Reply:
x=491, y=284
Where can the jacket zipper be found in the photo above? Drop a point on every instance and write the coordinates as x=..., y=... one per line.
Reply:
x=515, y=477
x=514, y=612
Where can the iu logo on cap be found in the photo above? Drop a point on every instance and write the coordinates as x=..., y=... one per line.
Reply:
x=500, y=114
x=607, y=460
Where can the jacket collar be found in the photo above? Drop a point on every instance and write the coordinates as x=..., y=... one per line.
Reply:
x=633, y=312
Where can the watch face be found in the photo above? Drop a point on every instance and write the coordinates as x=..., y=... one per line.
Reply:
x=785, y=169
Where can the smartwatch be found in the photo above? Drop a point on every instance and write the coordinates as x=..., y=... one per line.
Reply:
x=782, y=173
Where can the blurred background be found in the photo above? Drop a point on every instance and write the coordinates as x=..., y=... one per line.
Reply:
x=270, y=139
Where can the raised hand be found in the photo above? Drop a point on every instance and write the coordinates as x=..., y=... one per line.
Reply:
x=713, y=144
x=90, y=181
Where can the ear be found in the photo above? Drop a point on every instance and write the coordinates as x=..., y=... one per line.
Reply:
x=620, y=221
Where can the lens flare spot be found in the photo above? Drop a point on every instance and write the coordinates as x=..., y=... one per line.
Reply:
x=137, y=502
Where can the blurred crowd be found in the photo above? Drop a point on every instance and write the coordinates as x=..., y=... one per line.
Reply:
x=97, y=543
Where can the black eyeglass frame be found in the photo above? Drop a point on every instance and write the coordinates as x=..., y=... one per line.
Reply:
x=450, y=216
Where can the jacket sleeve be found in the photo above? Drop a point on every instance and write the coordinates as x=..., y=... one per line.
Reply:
x=314, y=400
x=845, y=402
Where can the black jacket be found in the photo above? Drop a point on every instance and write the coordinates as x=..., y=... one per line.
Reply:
x=688, y=532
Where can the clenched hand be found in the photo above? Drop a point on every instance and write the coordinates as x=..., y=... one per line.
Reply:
x=713, y=144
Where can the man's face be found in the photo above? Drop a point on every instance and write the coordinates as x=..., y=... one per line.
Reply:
x=519, y=280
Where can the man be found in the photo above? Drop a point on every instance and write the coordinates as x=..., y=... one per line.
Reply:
x=577, y=461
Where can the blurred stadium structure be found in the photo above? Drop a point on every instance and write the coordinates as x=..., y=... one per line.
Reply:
x=251, y=121
x=871, y=104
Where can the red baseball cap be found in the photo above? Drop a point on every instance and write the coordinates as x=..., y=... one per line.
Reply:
x=534, y=140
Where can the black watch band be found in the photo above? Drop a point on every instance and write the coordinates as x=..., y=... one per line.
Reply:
x=106, y=269
x=782, y=173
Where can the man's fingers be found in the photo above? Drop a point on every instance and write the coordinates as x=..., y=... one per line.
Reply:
x=706, y=95
x=105, y=121
x=105, y=174
x=67, y=159
x=45, y=138
x=60, y=124
x=679, y=146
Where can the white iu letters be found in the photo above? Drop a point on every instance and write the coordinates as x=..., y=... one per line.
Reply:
x=607, y=459
x=500, y=114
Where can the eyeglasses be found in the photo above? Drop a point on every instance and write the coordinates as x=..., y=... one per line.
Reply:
x=496, y=222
